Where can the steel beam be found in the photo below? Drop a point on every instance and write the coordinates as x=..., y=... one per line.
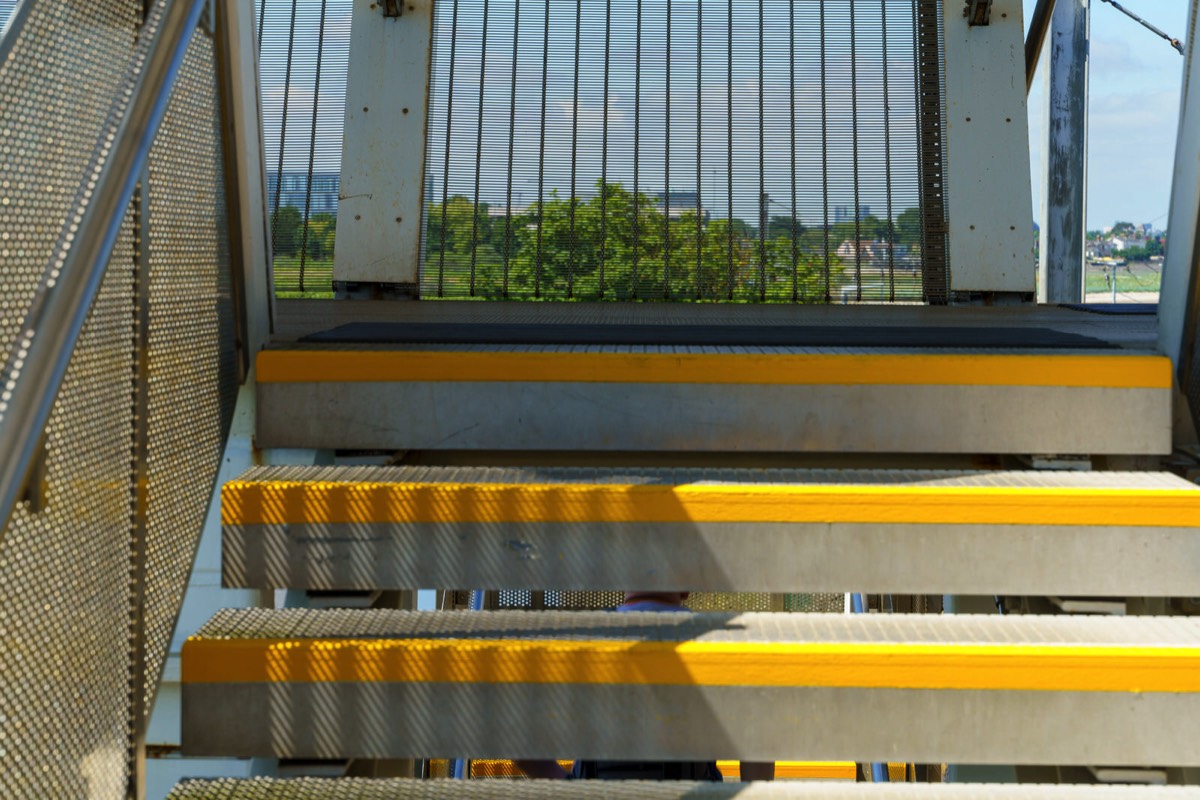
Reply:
x=1064, y=162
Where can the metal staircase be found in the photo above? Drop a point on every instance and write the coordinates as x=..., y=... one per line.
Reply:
x=1014, y=689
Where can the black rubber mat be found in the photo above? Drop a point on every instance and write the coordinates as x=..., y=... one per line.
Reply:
x=1116, y=309
x=706, y=335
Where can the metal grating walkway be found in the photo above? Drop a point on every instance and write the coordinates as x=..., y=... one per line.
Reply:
x=383, y=789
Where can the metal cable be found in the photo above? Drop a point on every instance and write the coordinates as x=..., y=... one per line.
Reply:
x=604, y=146
x=828, y=271
x=1178, y=45
x=792, y=139
x=729, y=267
x=667, y=169
x=574, y=152
x=512, y=140
x=312, y=145
x=287, y=83
x=441, y=278
x=541, y=179
x=887, y=156
x=854, y=125
x=478, y=150
x=764, y=212
x=699, y=147
x=637, y=147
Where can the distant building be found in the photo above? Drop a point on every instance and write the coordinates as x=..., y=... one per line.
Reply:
x=294, y=188
x=680, y=204
x=846, y=213
x=1118, y=243
x=873, y=253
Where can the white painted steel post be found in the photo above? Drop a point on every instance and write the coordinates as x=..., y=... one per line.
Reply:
x=378, y=242
x=1181, y=268
x=987, y=152
x=1064, y=165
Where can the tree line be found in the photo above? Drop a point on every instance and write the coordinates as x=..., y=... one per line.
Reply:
x=618, y=246
x=290, y=233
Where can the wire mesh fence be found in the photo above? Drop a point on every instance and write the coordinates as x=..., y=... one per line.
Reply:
x=736, y=150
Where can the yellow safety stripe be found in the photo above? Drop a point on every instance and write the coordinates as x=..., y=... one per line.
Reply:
x=695, y=663
x=370, y=366
x=819, y=770
x=793, y=770
x=295, y=502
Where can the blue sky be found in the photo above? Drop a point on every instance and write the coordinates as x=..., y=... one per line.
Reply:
x=1135, y=83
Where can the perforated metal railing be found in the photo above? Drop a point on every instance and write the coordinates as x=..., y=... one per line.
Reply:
x=738, y=150
x=93, y=564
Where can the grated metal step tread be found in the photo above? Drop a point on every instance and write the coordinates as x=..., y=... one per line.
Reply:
x=682, y=686
x=774, y=530
x=396, y=789
x=672, y=398
x=1169, y=636
x=680, y=476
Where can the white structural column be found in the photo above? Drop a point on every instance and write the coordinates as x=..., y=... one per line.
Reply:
x=987, y=152
x=1180, y=270
x=245, y=173
x=383, y=152
x=1064, y=165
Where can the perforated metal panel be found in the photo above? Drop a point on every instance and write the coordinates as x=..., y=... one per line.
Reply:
x=191, y=345
x=64, y=571
x=72, y=608
x=64, y=576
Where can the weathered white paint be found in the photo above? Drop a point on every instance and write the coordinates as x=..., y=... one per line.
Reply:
x=987, y=152
x=1064, y=166
x=383, y=152
x=1180, y=266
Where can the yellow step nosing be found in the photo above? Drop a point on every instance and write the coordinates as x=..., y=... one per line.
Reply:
x=299, y=502
x=1013, y=667
x=1119, y=371
x=820, y=770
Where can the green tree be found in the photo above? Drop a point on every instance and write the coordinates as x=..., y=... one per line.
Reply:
x=285, y=231
x=908, y=227
x=618, y=246
x=321, y=230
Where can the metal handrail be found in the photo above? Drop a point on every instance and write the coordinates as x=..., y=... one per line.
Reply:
x=38, y=362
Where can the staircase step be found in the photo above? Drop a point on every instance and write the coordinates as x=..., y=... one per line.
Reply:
x=719, y=398
x=760, y=687
x=398, y=788
x=905, y=532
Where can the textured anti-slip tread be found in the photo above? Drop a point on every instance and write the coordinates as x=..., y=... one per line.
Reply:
x=395, y=789
x=883, y=629
x=1017, y=479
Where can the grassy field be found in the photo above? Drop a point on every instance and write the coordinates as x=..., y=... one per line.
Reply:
x=1136, y=276
x=876, y=283
x=318, y=279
